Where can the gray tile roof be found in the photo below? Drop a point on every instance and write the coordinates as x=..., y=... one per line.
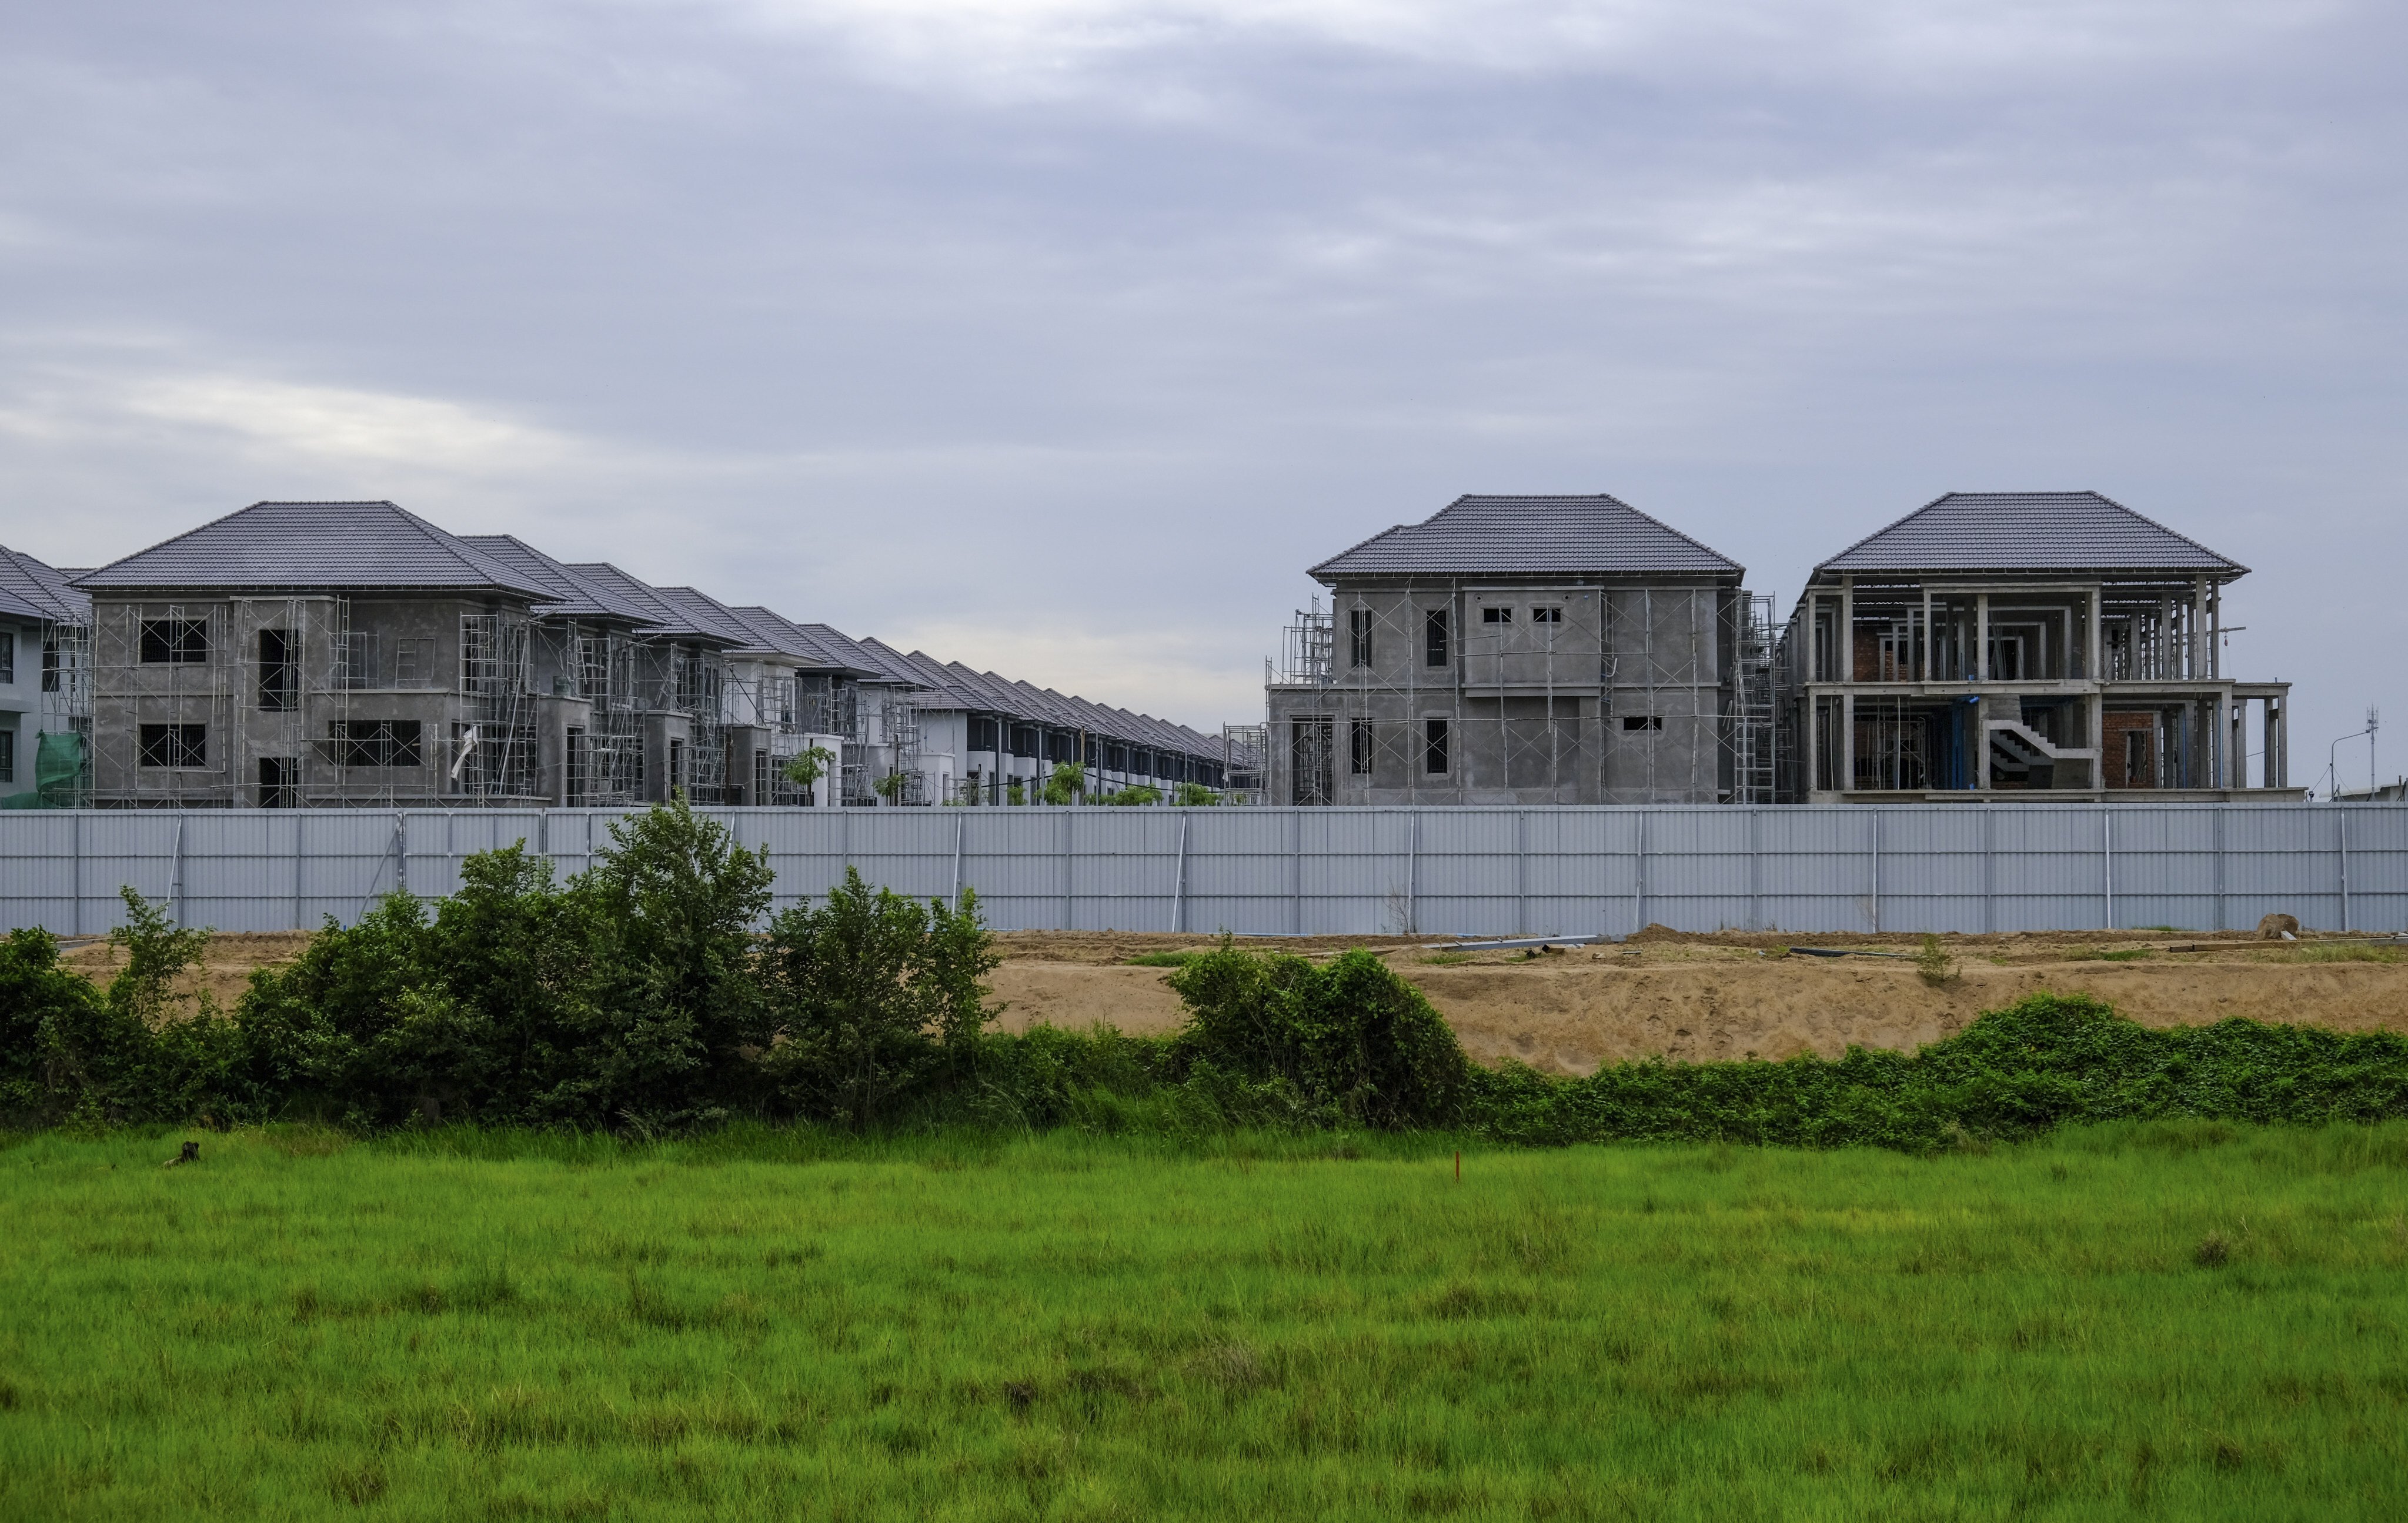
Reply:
x=2028, y=531
x=1535, y=536
x=668, y=618
x=311, y=547
x=573, y=594
x=709, y=613
x=33, y=591
x=780, y=634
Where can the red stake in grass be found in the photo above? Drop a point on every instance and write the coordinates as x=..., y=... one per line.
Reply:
x=1459, y=1166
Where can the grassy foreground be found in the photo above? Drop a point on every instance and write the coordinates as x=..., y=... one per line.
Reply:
x=2172, y=1319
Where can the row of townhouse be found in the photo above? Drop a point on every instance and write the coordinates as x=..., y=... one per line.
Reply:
x=331, y=654
x=1986, y=647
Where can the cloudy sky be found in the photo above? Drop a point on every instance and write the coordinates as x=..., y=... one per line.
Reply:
x=1061, y=335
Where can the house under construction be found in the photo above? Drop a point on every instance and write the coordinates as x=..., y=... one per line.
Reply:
x=299, y=654
x=45, y=686
x=2002, y=646
x=1525, y=650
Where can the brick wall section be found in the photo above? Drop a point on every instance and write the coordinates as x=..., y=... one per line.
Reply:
x=2122, y=730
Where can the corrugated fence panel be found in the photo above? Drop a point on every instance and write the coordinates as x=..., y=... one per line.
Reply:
x=1482, y=871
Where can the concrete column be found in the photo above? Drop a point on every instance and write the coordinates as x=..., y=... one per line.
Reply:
x=1847, y=778
x=1981, y=741
x=2098, y=740
x=2215, y=632
x=2198, y=631
x=2094, y=655
x=1847, y=629
x=1982, y=655
x=1814, y=723
x=1923, y=665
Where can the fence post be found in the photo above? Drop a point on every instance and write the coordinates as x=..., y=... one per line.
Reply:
x=1876, y=846
x=76, y=841
x=1296, y=871
x=176, y=873
x=961, y=823
x=1179, y=880
x=1413, y=875
x=2107, y=862
x=297, y=921
x=2341, y=834
x=1521, y=872
x=1639, y=878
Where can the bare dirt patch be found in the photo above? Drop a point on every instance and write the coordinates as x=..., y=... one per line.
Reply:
x=1686, y=997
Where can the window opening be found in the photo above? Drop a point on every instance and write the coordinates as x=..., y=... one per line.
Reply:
x=277, y=676
x=279, y=783
x=375, y=742
x=176, y=643
x=1497, y=616
x=1358, y=747
x=1643, y=722
x=1547, y=615
x=175, y=745
x=1434, y=746
x=1358, y=637
x=1434, y=637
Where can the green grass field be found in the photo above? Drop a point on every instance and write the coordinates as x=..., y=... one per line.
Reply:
x=2178, y=1321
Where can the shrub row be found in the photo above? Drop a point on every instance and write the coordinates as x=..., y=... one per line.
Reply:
x=654, y=992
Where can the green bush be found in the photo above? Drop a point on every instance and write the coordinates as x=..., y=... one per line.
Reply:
x=874, y=995
x=1351, y=1035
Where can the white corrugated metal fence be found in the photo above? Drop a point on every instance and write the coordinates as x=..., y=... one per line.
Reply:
x=1348, y=871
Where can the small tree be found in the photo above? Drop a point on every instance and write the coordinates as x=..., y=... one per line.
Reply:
x=1014, y=793
x=889, y=787
x=1142, y=793
x=873, y=993
x=1194, y=796
x=805, y=768
x=1067, y=783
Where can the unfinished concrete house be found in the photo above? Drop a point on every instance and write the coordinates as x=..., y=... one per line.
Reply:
x=2023, y=645
x=312, y=652
x=45, y=686
x=592, y=729
x=677, y=676
x=1525, y=650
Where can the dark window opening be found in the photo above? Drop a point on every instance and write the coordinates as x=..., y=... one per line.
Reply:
x=374, y=742
x=1546, y=615
x=1434, y=637
x=1643, y=722
x=1358, y=637
x=1497, y=616
x=278, y=678
x=574, y=765
x=176, y=643
x=2140, y=766
x=677, y=766
x=280, y=782
x=7, y=656
x=1434, y=746
x=1358, y=747
x=8, y=755
x=49, y=664
x=175, y=745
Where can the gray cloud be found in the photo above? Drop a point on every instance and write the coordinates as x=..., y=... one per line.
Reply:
x=1062, y=334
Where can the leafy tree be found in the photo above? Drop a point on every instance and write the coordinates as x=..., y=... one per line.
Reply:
x=1142, y=793
x=1194, y=796
x=875, y=993
x=670, y=909
x=1067, y=784
x=805, y=768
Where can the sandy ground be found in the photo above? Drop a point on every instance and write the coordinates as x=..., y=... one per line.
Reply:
x=1684, y=997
